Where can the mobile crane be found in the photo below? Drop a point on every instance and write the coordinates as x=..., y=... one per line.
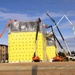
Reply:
x=70, y=56
x=59, y=32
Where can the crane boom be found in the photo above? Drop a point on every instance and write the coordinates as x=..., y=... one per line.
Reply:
x=57, y=40
x=59, y=32
x=6, y=27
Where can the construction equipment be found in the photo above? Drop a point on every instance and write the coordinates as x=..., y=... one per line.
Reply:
x=70, y=56
x=27, y=32
x=6, y=26
x=35, y=58
x=22, y=37
x=59, y=32
x=71, y=24
x=58, y=58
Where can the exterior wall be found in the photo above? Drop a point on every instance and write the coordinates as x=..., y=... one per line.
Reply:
x=22, y=45
x=41, y=50
x=50, y=50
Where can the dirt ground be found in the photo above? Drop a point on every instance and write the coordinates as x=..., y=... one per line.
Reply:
x=38, y=68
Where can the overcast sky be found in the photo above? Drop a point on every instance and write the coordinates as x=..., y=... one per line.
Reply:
x=32, y=9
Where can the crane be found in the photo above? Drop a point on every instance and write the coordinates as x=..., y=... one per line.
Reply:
x=57, y=58
x=72, y=26
x=70, y=56
x=59, y=32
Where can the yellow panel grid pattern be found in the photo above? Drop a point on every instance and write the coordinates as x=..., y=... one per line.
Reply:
x=21, y=46
x=50, y=50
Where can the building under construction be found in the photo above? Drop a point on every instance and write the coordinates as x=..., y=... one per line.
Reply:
x=21, y=42
x=28, y=41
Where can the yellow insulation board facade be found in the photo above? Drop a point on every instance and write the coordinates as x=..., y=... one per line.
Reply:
x=21, y=46
x=50, y=50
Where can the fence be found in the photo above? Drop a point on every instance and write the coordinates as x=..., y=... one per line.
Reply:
x=38, y=70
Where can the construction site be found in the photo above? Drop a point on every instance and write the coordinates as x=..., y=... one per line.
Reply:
x=33, y=51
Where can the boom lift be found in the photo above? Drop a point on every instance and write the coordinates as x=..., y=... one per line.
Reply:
x=35, y=58
x=8, y=23
x=58, y=58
